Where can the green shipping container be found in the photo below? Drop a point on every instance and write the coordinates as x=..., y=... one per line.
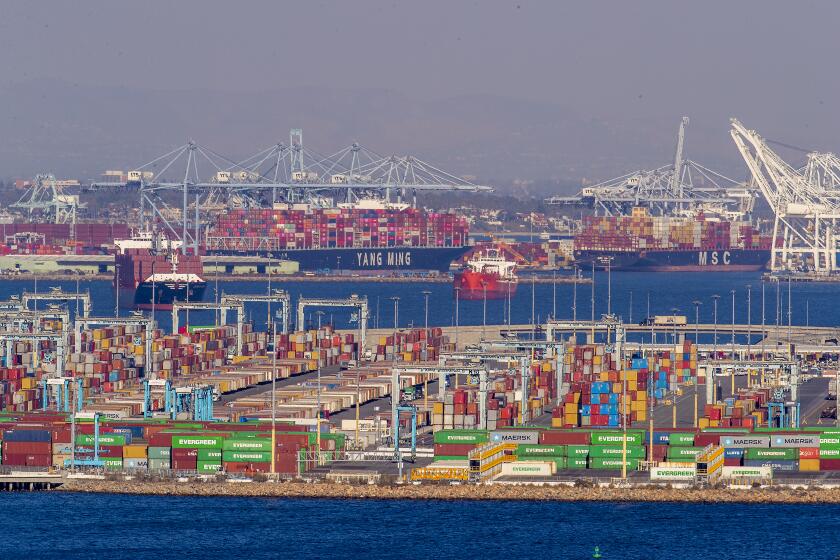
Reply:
x=725, y=431
x=829, y=452
x=559, y=462
x=781, y=453
x=206, y=466
x=209, y=456
x=581, y=451
x=634, y=451
x=253, y=444
x=681, y=439
x=104, y=439
x=688, y=452
x=829, y=440
x=160, y=453
x=198, y=441
x=615, y=438
x=682, y=459
x=113, y=463
x=611, y=463
x=576, y=462
x=246, y=456
x=533, y=450
x=472, y=437
x=159, y=464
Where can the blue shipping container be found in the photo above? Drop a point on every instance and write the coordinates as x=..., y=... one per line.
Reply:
x=27, y=435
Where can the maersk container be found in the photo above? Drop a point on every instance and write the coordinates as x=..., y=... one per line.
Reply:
x=776, y=465
x=616, y=438
x=612, y=463
x=135, y=463
x=535, y=450
x=634, y=451
x=681, y=439
x=198, y=441
x=777, y=453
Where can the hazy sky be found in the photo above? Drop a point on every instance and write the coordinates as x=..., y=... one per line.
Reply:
x=771, y=63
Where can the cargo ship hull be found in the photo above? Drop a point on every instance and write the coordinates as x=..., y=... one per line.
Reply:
x=472, y=286
x=372, y=259
x=719, y=260
x=165, y=293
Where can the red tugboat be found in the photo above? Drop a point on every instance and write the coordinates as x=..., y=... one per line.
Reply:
x=147, y=272
x=488, y=271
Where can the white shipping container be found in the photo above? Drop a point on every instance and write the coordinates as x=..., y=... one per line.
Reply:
x=528, y=468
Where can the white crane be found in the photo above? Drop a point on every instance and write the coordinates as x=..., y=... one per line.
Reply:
x=804, y=202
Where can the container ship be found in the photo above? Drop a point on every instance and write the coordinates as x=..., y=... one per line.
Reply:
x=487, y=275
x=151, y=269
x=52, y=239
x=663, y=244
x=366, y=236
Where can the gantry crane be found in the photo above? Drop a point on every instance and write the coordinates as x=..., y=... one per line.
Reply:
x=683, y=187
x=804, y=203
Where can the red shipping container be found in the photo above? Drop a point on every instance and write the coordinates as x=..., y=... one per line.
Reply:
x=27, y=447
x=830, y=464
x=185, y=464
x=552, y=437
x=809, y=452
x=453, y=448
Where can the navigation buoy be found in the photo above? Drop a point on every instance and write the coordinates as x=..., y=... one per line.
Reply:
x=597, y=553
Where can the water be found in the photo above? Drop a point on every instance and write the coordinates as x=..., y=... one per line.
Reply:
x=810, y=302
x=130, y=527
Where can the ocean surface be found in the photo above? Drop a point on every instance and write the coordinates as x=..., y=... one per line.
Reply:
x=628, y=294
x=69, y=526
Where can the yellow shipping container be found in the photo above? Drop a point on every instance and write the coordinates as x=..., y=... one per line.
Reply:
x=641, y=415
x=631, y=375
x=135, y=451
x=809, y=464
x=556, y=422
x=437, y=408
x=702, y=423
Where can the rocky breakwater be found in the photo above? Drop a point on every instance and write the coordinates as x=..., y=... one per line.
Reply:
x=459, y=492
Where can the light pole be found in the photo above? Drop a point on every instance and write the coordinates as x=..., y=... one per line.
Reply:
x=790, y=314
x=609, y=285
x=274, y=402
x=553, y=294
x=715, y=298
x=484, y=310
x=268, y=301
x=426, y=294
x=749, y=321
x=533, y=306
x=763, y=324
x=396, y=300
x=697, y=304
x=630, y=315
x=116, y=297
x=592, y=302
x=153, y=289
x=457, y=307
x=318, y=422
x=674, y=312
x=574, y=303
x=733, y=323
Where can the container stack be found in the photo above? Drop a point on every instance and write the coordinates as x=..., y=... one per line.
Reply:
x=321, y=345
x=305, y=227
x=411, y=346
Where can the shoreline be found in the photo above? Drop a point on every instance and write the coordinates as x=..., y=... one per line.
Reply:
x=486, y=492
x=279, y=278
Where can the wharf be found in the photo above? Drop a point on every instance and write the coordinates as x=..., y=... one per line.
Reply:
x=803, y=277
x=30, y=481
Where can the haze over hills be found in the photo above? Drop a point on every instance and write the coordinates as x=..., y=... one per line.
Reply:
x=78, y=130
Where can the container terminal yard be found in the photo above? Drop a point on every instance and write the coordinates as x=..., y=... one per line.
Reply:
x=553, y=402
